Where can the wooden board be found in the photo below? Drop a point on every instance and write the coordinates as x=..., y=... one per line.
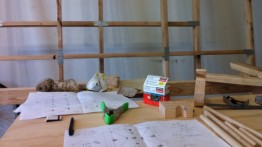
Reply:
x=233, y=79
x=247, y=69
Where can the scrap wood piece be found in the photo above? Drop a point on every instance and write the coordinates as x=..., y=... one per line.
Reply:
x=173, y=109
x=200, y=85
x=233, y=79
x=247, y=69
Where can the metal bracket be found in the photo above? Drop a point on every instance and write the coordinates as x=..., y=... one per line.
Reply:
x=101, y=23
x=60, y=56
x=193, y=23
x=166, y=54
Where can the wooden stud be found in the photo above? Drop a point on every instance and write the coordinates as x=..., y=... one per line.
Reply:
x=117, y=55
x=91, y=24
x=196, y=34
x=250, y=43
x=200, y=86
x=60, y=36
x=101, y=35
x=233, y=79
x=173, y=109
x=165, y=37
x=247, y=69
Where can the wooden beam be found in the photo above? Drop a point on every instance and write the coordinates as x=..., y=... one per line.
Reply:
x=196, y=34
x=119, y=55
x=250, y=43
x=60, y=38
x=101, y=35
x=92, y=24
x=233, y=79
x=29, y=24
x=247, y=69
x=27, y=57
x=165, y=37
x=185, y=88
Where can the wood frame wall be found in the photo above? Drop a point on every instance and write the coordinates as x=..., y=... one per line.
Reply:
x=165, y=52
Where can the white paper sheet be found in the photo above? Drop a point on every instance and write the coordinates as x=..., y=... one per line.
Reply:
x=91, y=100
x=42, y=104
x=180, y=133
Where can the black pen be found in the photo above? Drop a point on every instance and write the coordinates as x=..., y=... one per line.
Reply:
x=71, y=127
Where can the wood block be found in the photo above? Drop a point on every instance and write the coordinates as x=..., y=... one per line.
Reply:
x=200, y=86
x=173, y=109
x=247, y=69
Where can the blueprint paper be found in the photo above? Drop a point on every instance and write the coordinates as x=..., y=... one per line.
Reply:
x=42, y=104
x=175, y=133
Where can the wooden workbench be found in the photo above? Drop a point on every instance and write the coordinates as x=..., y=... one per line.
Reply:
x=37, y=132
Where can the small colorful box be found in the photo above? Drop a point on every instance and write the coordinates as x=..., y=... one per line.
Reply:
x=156, y=89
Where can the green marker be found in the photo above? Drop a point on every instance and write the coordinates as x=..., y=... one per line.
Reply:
x=111, y=115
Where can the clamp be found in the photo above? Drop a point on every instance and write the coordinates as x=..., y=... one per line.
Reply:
x=232, y=103
x=111, y=115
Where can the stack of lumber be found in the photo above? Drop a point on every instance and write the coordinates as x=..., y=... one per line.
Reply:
x=233, y=132
x=248, y=76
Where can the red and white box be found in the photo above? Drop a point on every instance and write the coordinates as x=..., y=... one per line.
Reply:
x=156, y=89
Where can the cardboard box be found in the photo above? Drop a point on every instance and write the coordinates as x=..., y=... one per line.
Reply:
x=156, y=85
x=155, y=90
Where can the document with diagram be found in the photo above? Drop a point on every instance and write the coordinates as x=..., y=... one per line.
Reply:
x=180, y=133
x=42, y=104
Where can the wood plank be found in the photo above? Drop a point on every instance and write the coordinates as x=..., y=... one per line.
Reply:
x=91, y=24
x=196, y=34
x=14, y=95
x=101, y=35
x=60, y=37
x=27, y=57
x=29, y=24
x=165, y=37
x=247, y=69
x=184, y=88
x=250, y=43
x=119, y=55
x=233, y=79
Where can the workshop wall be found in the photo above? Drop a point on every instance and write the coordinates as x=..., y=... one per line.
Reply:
x=222, y=27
